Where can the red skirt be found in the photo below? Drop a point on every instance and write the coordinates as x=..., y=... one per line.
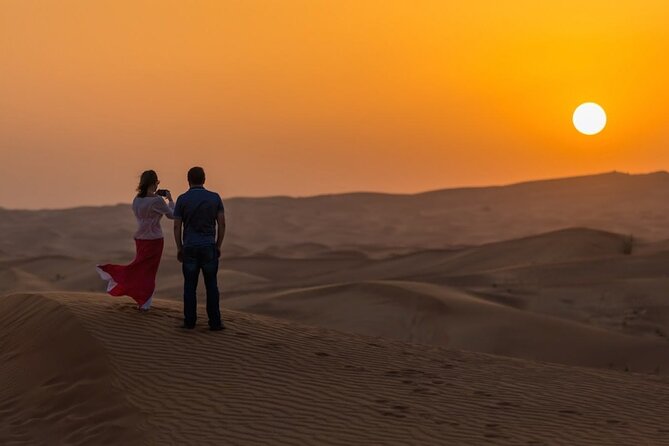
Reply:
x=137, y=280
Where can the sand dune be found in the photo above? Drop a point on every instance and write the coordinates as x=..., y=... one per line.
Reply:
x=57, y=383
x=172, y=285
x=430, y=314
x=615, y=202
x=15, y=279
x=102, y=373
x=569, y=245
x=563, y=246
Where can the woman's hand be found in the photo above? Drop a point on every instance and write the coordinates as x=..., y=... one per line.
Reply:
x=168, y=195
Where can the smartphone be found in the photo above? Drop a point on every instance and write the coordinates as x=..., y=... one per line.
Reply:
x=161, y=192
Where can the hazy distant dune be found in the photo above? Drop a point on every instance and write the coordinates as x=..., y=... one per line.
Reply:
x=568, y=245
x=564, y=245
x=230, y=281
x=292, y=270
x=614, y=202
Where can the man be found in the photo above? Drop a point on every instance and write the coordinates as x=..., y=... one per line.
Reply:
x=199, y=211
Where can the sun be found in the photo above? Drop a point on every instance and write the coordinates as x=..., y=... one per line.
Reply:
x=589, y=118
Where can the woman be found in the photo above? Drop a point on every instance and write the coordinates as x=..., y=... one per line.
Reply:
x=138, y=280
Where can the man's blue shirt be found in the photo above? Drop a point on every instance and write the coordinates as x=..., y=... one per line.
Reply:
x=198, y=209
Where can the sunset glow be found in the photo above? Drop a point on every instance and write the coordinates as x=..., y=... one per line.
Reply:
x=303, y=97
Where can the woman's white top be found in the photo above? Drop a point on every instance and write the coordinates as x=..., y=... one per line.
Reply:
x=149, y=211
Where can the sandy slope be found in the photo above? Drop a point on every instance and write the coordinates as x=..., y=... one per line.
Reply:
x=58, y=386
x=87, y=369
x=430, y=314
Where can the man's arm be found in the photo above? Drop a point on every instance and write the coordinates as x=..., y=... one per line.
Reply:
x=220, y=219
x=177, y=238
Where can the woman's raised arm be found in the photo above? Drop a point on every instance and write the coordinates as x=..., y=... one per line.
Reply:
x=166, y=209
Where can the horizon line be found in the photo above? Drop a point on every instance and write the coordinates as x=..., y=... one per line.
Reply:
x=363, y=192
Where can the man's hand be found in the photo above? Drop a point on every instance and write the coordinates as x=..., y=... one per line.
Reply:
x=220, y=220
x=177, y=239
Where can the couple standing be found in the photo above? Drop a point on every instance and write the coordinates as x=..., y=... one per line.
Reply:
x=197, y=213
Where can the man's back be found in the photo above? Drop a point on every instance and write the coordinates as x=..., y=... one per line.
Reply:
x=199, y=213
x=198, y=209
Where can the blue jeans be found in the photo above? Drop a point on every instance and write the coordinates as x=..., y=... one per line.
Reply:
x=205, y=259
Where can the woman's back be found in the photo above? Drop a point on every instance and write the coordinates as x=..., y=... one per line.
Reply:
x=148, y=212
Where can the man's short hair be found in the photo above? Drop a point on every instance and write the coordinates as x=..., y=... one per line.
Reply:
x=196, y=176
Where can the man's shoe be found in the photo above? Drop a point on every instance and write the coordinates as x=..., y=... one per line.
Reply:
x=187, y=327
x=217, y=327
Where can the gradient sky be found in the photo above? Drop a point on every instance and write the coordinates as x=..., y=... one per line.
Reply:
x=304, y=97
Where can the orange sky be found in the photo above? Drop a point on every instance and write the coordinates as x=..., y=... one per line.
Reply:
x=308, y=96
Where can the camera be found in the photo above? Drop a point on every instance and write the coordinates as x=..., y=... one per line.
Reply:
x=162, y=192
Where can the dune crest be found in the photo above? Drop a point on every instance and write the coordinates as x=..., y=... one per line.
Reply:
x=58, y=386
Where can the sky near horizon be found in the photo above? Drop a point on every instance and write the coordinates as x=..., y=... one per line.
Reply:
x=302, y=97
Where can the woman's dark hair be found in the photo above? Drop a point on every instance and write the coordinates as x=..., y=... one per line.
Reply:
x=148, y=179
x=196, y=176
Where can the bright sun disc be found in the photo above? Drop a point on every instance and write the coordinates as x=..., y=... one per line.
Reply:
x=589, y=118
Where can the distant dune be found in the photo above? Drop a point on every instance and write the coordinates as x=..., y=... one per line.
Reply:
x=374, y=223
x=101, y=373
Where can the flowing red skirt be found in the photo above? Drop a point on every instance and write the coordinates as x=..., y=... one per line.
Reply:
x=137, y=280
